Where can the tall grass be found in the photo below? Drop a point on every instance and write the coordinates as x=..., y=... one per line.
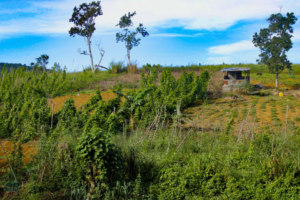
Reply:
x=116, y=67
x=189, y=164
x=132, y=68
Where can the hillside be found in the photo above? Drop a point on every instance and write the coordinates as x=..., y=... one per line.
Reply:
x=169, y=135
x=14, y=66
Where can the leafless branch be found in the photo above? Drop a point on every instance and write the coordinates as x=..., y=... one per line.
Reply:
x=84, y=52
x=102, y=52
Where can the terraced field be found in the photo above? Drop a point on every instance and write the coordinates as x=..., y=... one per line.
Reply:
x=263, y=112
x=79, y=99
x=29, y=150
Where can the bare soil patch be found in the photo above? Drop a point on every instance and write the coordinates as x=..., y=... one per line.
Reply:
x=29, y=150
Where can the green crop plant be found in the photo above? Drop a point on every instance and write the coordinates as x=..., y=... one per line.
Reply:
x=133, y=104
x=253, y=111
x=244, y=112
x=100, y=155
x=67, y=114
x=263, y=105
x=273, y=103
x=229, y=125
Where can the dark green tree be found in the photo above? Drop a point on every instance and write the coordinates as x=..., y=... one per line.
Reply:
x=129, y=37
x=43, y=61
x=84, y=20
x=274, y=42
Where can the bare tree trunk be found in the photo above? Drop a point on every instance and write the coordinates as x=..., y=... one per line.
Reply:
x=277, y=80
x=91, y=56
x=128, y=55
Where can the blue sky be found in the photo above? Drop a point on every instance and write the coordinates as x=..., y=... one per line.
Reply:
x=181, y=31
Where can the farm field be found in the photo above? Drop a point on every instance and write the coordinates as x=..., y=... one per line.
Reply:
x=285, y=81
x=209, y=118
x=123, y=129
x=264, y=112
x=79, y=99
x=29, y=149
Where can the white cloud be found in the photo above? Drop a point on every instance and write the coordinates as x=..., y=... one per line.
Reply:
x=228, y=49
x=174, y=35
x=296, y=35
x=53, y=16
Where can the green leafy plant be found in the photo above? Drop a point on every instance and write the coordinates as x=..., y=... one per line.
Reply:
x=101, y=156
x=132, y=103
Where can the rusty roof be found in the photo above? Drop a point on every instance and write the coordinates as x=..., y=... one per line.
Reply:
x=235, y=69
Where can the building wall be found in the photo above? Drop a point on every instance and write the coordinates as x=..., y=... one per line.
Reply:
x=230, y=85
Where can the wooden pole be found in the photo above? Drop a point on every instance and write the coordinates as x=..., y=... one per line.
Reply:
x=52, y=114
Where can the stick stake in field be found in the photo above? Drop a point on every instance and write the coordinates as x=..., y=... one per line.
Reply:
x=9, y=162
x=52, y=114
x=245, y=121
x=287, y=114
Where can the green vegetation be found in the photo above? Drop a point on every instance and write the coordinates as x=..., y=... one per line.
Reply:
x=14, y=66
x=140, y=149
x=150, y=146
x=274, y=42
x=254, y=68
x=116, y=67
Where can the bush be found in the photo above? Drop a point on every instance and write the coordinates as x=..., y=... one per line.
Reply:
x=116, y=67
x=100, y=155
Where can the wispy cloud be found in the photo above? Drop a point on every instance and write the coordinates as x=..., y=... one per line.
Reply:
x=53, y=16
x=174, y=35
x=228, y=49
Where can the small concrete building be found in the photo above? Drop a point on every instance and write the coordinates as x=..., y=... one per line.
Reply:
x=234, y=77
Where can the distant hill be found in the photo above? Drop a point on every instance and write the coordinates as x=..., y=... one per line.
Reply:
x=14, y=66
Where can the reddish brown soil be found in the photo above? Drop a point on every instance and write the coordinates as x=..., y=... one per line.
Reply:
x=29, y=149
x=79, y=100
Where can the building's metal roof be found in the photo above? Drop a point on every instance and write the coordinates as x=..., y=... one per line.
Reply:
x=235, y=69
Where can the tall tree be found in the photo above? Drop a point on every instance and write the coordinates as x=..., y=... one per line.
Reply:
x=129, y=37
x=84, y=20
x=274, y=42
x=43, y=61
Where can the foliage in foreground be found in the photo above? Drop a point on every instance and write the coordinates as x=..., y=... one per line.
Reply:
x=214, y=165
x=91, y=153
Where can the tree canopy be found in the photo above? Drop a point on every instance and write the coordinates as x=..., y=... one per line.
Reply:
x=43, y=61
x=274, y=42
x=128, y=36
x=84, y=19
